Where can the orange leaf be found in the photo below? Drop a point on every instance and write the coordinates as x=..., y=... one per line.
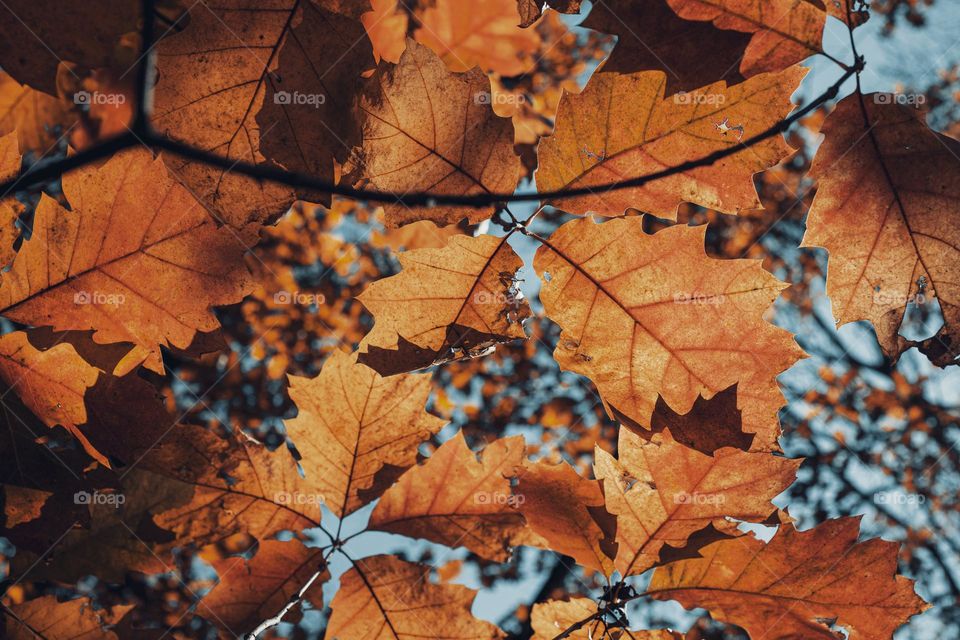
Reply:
x=309, y=110
x=383, y=597
x=646, y=315
x=550, y=619
x=567, y=513
x=137, y=260
x=386, y=27
x=50, y=383
x=458, y=499
x=651, y=36
x=621, y=127
x=34, y=115
x=249, y=591
x=889, y=216
x=445, y=304
x=213, y=74
x=426, y=128
x=799, y=582
x=358, y=430
x=784, y=31
x=74, y=619
x=485, y=35
x=663, y=492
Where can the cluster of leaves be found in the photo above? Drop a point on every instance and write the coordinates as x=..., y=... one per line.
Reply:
x=131, y=403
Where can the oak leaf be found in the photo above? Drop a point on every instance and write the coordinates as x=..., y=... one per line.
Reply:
x=651, y=315
x=308, y=114
x=38, y=118
x=416, y=235
x=428, y=129
x=663, y=492
x=458, y=499
x=445, y=303
x=213, y=73
x=383, y=597
x=566, y=511
x=651, y=36
x=888, y=213
x=51, y=383
x=192, y=488
x=622, y=126
x=37, y=35
x=386, y=26
x=137, y=260
x=44, y=617
x=550, y=619
x=37, y=502
x=809, y=582
x=249, y=591
x=784, y=32
x=356, y=429
x=487, y=35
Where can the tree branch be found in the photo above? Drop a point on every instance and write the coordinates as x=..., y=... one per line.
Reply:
x=269, y=173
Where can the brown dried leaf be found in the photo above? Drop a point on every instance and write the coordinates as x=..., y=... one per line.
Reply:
x=10, y=208
x=383, y=597
x=550, y=619
x=38, y=118
x=646, y=316
x=37, y=35
x=311, y=101
x=446, y=303
x=621, y=127
x=804, y=580
x=426, y=128
x=249, y=591
x=353, y=425
x=44, y=617
x=892, y=240
x=137, y=260
x=485, y=35
x=51, y=383
x=663, y=492
x=567, y=512
x=458, y=499
x=784, y=32
x=213, y=76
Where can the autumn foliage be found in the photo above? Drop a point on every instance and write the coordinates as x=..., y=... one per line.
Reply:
x=284, y=288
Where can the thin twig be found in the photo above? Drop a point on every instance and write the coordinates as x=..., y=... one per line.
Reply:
x=270, y=173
